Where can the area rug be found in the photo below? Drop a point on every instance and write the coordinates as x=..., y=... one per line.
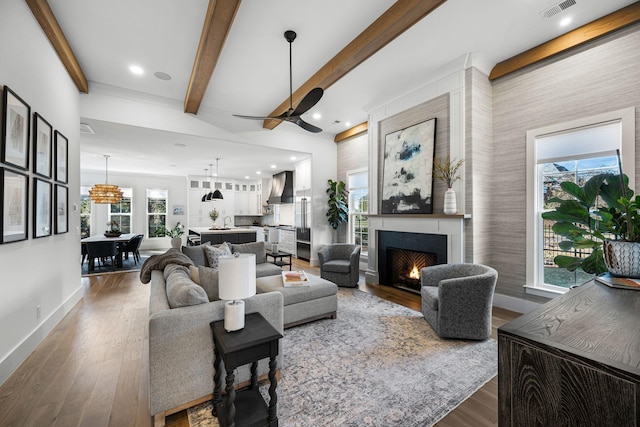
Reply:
x=377, y=364
x=127, y=265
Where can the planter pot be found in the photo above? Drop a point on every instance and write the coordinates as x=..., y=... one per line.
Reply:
x=622, y=258
x=450, y=205
x=176, y=242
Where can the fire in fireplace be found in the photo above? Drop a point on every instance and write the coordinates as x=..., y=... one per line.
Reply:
x=405, y=267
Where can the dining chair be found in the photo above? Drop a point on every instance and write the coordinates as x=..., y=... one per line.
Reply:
x=101, y=251
x=133, y=246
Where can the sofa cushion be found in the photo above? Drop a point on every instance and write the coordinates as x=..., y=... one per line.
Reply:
x=215, y=252
x=317, y=288
x=209, y=281
x=256, y=248
x=337, y=266
x=196, y=253
x=182, y=291
x=267, y=269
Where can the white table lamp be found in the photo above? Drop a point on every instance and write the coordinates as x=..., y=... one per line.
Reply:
x=237, y=280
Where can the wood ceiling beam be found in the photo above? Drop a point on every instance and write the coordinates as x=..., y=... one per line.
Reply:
x=395, y=21
x=357, y=130
x=47, y=20
x=217, y=23
x=607, y=24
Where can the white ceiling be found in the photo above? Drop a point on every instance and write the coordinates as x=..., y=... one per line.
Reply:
x=252, y=74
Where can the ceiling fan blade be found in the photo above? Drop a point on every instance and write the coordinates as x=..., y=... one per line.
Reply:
x=254, y=117
x=307, y=126
x=308, y=101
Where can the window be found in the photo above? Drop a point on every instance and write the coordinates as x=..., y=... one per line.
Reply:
x=358, y=186
x=572, y=152
x=85, y=213
x=121, y=211
x=156, y=213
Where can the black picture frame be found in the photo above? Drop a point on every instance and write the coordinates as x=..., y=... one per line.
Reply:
x=61, y=209
x=41, y=208
x=62, y=157
x=42, y=144
x=16, y=124
x=407, y=172
x=14, y=210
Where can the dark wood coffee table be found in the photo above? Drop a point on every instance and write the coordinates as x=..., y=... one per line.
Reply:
x=279, y=258
x=257, y=340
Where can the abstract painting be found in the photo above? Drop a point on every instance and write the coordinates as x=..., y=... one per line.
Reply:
x=407, y=180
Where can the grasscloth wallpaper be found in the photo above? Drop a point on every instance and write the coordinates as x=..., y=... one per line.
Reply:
x=596, y=78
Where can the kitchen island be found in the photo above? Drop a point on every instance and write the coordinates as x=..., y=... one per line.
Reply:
x=220, y=235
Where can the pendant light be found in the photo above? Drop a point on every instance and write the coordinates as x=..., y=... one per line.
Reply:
x=105, y=193
x=216, y=195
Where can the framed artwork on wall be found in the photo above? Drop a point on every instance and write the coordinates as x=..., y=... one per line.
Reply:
x=41, y=208
x=15, y=205
x=16, y=119
x=42, y=143
x=62, y=156
x=62, y=209
x=407, y=173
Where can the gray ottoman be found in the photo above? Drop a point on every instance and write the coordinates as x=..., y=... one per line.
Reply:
x=303, y=304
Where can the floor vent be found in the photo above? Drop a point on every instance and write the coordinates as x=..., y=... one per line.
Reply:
x=85, y=128
x=557, y=8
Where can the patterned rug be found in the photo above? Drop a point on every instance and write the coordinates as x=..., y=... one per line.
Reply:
x=377, y=364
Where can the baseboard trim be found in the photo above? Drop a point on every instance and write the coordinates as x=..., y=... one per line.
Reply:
x=19, y=354
x=514, y=304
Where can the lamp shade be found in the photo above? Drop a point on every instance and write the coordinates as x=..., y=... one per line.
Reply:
x=237, y=276
x=217, y=195
x=105, y=193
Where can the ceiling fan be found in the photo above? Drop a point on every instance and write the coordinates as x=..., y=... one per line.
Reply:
x=310, y=99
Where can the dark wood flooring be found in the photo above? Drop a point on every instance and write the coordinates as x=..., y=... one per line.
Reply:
x=91, y=369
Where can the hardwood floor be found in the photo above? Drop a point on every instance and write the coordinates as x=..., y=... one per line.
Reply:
x=91, y=369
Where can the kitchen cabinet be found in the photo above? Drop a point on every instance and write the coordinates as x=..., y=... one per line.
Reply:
x=287, y=241
x=242, y=203
x=303, y=175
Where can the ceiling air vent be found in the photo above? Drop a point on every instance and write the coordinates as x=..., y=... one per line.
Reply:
x=85, y=128
x=557, y=8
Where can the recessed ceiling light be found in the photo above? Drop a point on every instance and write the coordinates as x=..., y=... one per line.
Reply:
x=135, y=69
x=273, y=166
x=162, y=76
x=293, y=157
x=566, y=21
x=258, y=172
x=317, y=116
x=215, y=174
x=347, y=124
x=247, y=177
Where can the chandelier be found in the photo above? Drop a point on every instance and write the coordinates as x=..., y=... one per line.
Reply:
x=105, y=193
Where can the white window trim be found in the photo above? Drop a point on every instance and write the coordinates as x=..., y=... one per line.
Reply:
x=533, y=284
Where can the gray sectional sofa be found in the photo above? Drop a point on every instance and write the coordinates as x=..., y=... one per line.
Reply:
x=183, y=301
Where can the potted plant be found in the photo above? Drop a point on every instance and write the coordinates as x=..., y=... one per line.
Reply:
x=213, y=215
x=338, y=212
x=175, y=233
x=447, y=171
x=113, y=230
x=604, y=216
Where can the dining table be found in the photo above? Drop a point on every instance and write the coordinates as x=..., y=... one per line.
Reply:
x=120, y=240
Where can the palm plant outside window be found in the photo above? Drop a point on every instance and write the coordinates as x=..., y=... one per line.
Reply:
x=156, y=213
x=85, y=213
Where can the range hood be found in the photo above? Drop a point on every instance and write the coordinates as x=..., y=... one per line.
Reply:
x=281, y=188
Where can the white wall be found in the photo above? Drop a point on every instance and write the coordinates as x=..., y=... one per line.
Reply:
x=177, y=195
x=31, y=68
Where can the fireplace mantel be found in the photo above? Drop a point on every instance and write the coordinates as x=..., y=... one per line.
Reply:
x=451, y=226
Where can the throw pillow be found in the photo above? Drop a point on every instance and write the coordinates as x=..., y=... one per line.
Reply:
x=195, y=275
x=209, y=281
x=214, y=253
x=256, y=248
x=196, y=253
x=182, y=291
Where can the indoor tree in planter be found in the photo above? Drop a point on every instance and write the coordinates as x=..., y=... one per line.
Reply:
x=611, y=231
x=338, y=211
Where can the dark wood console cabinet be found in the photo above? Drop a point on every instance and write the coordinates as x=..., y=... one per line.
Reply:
x=575, y=361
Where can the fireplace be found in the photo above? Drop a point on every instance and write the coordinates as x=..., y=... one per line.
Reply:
x=401, y=255
x=405, y=265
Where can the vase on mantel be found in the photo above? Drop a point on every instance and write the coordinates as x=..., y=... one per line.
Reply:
x=450, y=205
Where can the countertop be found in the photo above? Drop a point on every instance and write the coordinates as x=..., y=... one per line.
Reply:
x=229, y=230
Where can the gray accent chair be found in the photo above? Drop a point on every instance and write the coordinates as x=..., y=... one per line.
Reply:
x=457, y=299
x=339, y=264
